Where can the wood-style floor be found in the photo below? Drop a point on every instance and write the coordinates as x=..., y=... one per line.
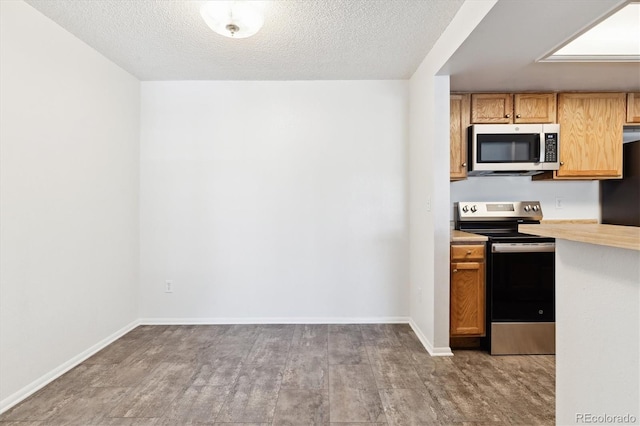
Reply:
x=291, y=375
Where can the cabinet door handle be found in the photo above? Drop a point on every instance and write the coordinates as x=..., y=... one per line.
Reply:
x=455, y=270
x=518, y=116
x=468, y=252
x=464, y=164
x=507, y=116
x=562, y=163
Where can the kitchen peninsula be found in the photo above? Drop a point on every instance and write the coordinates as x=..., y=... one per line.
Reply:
x=597, y=320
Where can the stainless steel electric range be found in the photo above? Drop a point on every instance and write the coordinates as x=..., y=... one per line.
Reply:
x=520, y=276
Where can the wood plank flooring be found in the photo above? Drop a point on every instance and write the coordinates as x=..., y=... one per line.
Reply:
x=372, y=374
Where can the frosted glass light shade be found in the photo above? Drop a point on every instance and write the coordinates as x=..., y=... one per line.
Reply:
x=235, y=19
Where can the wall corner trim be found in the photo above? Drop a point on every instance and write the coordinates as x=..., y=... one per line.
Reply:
x=433, y=351
x=44, y=380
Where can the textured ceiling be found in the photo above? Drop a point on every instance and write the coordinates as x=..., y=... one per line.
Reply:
x=300, y=40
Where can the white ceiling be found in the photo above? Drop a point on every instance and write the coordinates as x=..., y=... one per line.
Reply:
x=348, y=39
x=501, y=52
x=617, y=37
x=300, y=40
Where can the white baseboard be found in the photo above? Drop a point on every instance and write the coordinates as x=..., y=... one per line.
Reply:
x=275, y=320
x=41, y=382
x=433, y=351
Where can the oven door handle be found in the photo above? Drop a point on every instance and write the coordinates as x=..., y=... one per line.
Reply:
x=523, y=247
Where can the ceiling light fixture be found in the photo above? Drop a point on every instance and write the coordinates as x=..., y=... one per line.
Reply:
x=615, y=39
x=234, y=19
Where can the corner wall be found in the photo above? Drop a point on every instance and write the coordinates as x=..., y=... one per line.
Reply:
x=429, y=200
x=597, y=330
x=69, y=128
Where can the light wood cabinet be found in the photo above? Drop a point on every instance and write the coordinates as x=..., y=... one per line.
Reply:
x=534, y=108
x=591, y=126
x=459, y=122
x=467, y=296
x=633, y=108
x=506, y=108
x=491, y=108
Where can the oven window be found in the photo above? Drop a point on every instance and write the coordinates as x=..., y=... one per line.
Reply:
x=518, y=148
x=522, y=287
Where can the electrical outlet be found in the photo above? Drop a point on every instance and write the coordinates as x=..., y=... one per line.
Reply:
x=559, y=203
x=168, y=286
x=428, y=204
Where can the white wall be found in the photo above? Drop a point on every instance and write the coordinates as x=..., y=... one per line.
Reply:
x=597, y=333
x=578, y=200
x=68, y=206
x=429, y=183
x=274, y=201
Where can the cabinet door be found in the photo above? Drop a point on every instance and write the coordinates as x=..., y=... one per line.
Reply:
x=534, y=108
x=459, y=122
x=633, y=108
x=491, y=108
x=467, y=299
x=591, y=126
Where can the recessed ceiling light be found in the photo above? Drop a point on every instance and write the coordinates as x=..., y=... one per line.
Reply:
x=615, y=39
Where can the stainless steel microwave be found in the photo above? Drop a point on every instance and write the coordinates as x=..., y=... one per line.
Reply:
x=513, y=149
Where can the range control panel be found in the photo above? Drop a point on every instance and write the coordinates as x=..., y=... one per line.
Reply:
x=498, y=210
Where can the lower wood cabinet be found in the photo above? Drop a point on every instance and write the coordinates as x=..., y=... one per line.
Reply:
x=467, y=297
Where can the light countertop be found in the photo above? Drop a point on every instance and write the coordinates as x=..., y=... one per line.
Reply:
x=626, y=237
x=460, y=236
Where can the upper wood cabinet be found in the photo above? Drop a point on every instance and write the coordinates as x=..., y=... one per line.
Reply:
x=633, y=108
x=591, y=126
x=459, y=122
x=534, y=108
x=491, y=108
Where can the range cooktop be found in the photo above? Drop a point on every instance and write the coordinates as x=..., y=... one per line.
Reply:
x=498, y=220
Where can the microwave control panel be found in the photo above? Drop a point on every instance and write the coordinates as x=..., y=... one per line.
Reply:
x=551, y=147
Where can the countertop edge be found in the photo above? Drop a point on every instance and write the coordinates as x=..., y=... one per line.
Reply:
x=625, y=237
x=461, y=236
x=565, y=221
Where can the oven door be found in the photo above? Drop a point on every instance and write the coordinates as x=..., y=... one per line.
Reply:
x=522, y=282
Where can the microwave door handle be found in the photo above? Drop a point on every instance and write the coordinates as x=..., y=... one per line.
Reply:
x=538, y=150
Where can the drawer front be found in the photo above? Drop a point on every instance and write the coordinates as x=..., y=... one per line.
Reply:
x=467, y=252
